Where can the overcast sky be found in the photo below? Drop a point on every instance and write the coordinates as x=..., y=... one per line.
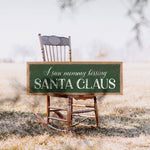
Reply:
x=102, y=22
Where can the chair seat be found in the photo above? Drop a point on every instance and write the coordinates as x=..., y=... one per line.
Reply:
x=77, y=97
x=83, y=97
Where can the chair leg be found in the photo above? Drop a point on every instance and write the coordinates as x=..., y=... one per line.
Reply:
x=48, y=111
x=47, y=123
x=71, y=109
x=96, y=111
x=69, y=113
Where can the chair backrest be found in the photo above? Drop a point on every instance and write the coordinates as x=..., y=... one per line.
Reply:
x=55, y=48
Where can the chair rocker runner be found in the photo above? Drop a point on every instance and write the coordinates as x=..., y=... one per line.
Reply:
x=54, y=49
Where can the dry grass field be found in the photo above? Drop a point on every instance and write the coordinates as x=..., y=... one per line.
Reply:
x=124, y=119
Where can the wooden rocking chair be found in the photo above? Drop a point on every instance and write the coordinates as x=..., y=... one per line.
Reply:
x=54, y=49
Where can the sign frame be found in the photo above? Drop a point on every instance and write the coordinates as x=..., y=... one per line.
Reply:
x=78, y=63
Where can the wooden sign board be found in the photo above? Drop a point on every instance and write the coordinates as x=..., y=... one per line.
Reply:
x=74, y=78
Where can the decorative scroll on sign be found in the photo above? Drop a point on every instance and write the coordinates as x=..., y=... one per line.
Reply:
x=75, y=78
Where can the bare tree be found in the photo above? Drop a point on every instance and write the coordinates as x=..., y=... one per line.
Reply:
x=135, y=11
x=63, y=4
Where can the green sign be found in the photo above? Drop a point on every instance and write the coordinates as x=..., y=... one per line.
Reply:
x=74, y=78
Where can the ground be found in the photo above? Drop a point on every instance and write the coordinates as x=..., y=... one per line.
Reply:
x=124, y=119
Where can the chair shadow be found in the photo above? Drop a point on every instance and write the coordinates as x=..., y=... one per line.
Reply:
x=27, y=124
x=21, y=124
x=129, y=125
